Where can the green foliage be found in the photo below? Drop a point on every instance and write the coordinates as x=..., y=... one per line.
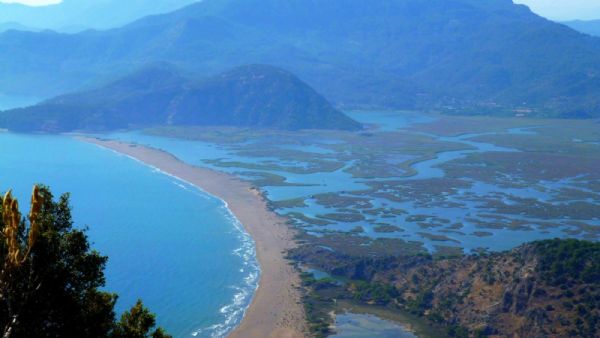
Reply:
x=317, y=284
x=421, y=302
x=480, y=334
x=373, y=292
x=458, y=332
x=316, y=308
x=56, y=291
x=570, y=259
x=138, y=323
x=318, y=303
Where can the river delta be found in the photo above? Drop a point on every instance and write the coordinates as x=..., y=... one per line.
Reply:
x=442, y=183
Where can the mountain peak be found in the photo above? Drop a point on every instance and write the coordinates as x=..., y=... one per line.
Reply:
x=247, y=96
x=262, y=96
x=455, y=56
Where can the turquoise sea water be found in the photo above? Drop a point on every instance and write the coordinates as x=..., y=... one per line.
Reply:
x=176, y=247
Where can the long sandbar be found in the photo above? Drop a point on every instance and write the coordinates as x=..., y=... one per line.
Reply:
x=276, y=309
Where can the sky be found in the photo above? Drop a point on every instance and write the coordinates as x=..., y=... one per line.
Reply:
x=34, y=2
x=552, y=9
x=565, y=9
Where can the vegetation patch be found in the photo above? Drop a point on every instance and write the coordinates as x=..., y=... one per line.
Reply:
x=301, y=219
x=386, y=228
x=343, y=217
x=287, y=204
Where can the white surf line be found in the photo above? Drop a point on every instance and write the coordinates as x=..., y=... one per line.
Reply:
x=237, y=225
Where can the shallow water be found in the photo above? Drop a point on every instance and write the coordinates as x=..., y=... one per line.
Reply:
x=352, y=325
x=175, y=247
x=196, y=153
x=462, y=206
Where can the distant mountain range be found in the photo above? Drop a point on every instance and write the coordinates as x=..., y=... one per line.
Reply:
x=78, y=15
x=5, y=26
x=454, y=56
x=248, y=96
x=591, y=27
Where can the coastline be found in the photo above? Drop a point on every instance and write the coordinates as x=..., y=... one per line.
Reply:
x=276, y=310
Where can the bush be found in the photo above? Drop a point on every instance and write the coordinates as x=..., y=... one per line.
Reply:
x=570, y=259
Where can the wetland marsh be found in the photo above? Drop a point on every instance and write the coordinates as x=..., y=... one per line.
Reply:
x=408, y=184
x=444, y=183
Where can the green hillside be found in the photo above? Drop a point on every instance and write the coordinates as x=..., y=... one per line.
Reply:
x=248, y=96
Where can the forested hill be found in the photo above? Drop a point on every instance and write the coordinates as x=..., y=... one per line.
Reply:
x=548, y=288
x=248, y=96
x=474, y=56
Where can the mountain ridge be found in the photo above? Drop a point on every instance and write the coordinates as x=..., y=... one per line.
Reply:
x=247, y=96
x=474, y=57
x=590, y=27
x=73, y=16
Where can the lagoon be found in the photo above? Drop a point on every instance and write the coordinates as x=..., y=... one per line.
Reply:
x=462, y=216
x=353, y=325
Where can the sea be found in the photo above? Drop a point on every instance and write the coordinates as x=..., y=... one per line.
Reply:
x=170, y=244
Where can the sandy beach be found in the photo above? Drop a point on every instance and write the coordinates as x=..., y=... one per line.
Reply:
x=276, y=310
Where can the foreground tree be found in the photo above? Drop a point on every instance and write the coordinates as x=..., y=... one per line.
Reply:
x=50, y=279
x=137, y=323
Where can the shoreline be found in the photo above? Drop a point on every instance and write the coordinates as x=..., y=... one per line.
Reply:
x=276, y=310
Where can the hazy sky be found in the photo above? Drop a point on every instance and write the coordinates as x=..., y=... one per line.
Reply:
x=553, y=9
x=34, y=2
x=565, y=9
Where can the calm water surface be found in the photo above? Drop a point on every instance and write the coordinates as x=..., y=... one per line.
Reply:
x=177, y=248
x=353, y=325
